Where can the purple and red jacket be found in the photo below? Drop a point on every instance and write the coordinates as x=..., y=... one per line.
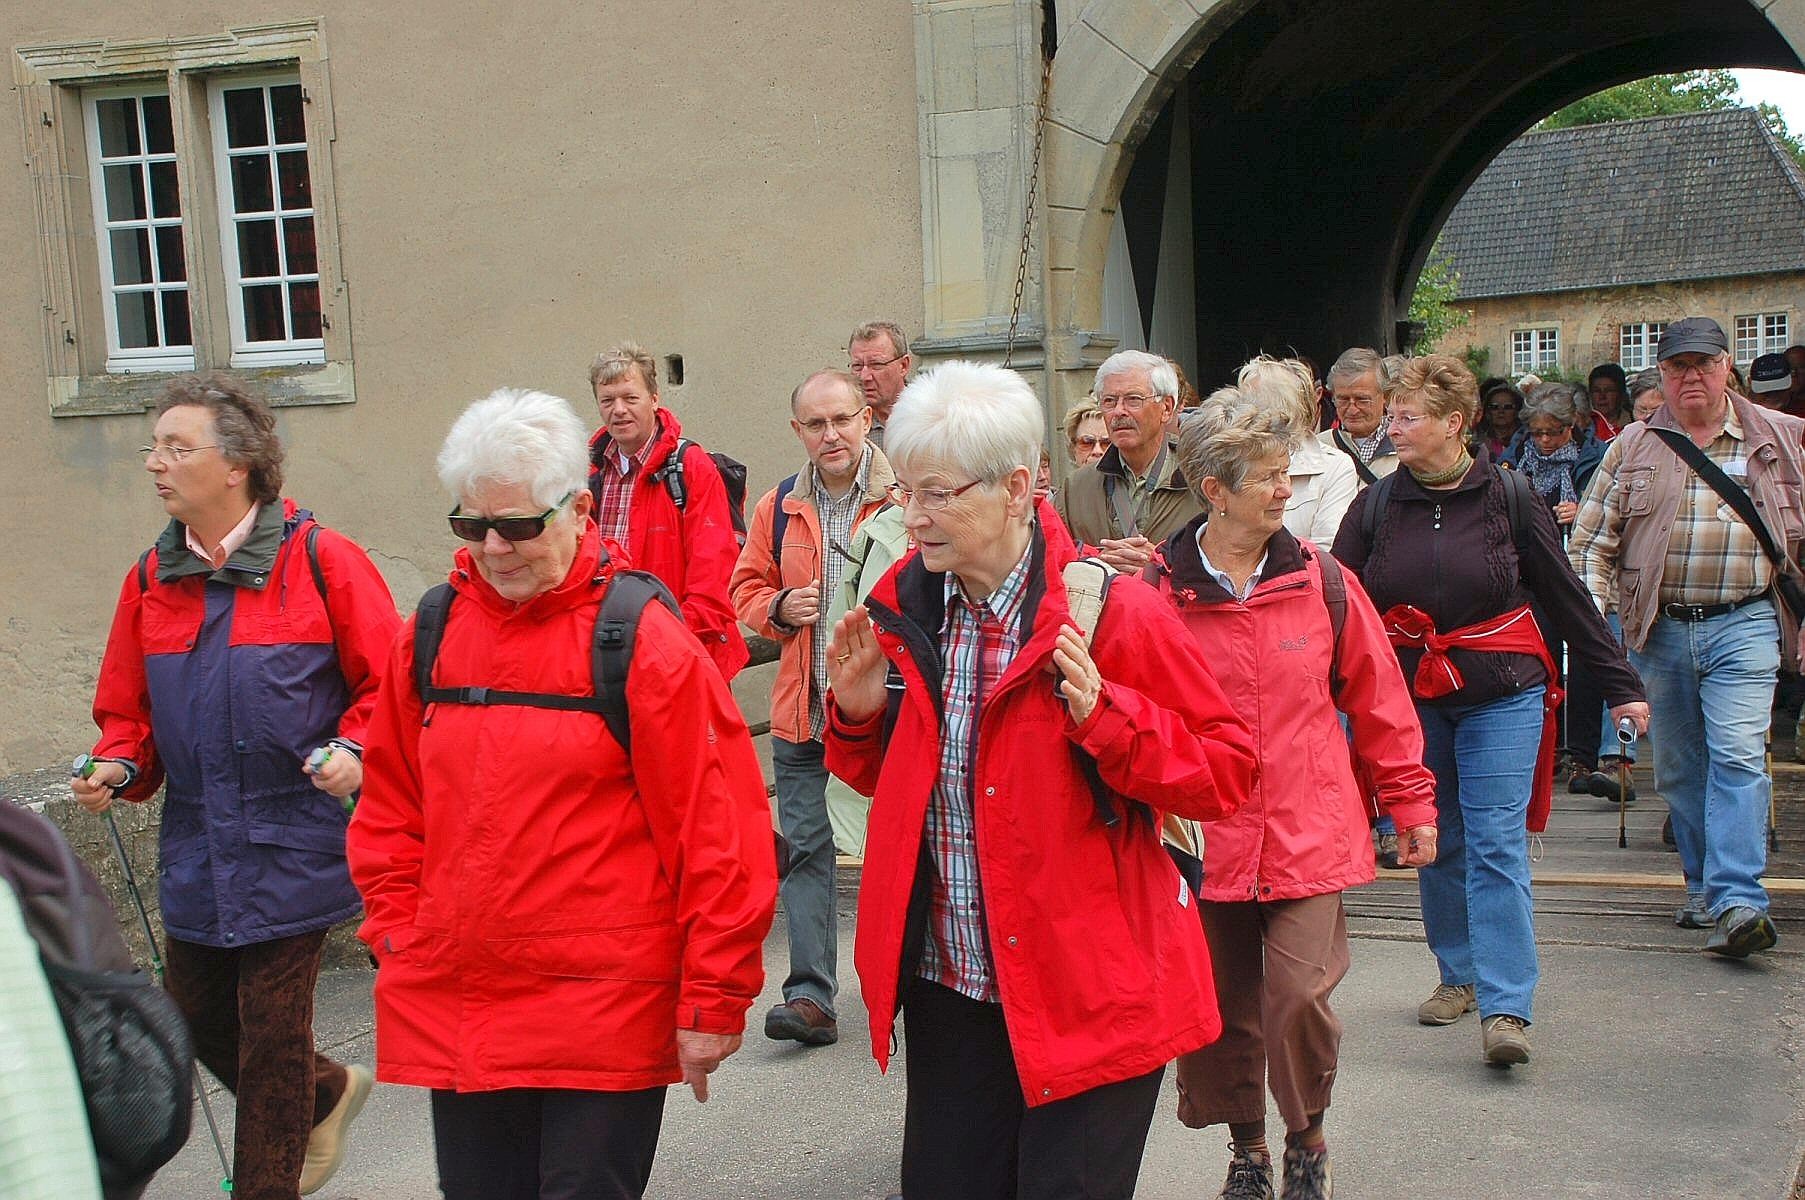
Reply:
x=220, y=683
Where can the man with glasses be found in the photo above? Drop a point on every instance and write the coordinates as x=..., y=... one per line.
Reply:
x=241, y=671
x=1134, y=497
x=1359, y=430
x=877, y=354
x=794, y=561
x=1700, y=615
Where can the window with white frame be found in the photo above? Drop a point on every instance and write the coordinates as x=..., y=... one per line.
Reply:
x=205, y=163
x=138, y=223
x=1636, y=344
x=1758, y=334
x=1534, y=350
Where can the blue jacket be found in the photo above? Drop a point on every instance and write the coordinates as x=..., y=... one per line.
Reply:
x=1591, y=453
x=221, y=683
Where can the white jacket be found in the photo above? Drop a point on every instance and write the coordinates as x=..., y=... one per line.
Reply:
x=1323, y=484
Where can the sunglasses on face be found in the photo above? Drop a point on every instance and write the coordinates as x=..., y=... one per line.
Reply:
x=512, y=529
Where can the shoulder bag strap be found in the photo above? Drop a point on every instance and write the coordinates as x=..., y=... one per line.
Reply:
x=1726, y=488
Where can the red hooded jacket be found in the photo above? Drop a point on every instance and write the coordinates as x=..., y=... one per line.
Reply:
x=548, y=911
x=692, y=549
x=1099, y=955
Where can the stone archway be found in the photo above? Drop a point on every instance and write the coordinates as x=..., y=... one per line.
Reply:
x=1426, y=118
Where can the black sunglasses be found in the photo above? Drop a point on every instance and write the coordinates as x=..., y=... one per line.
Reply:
x=513, y=529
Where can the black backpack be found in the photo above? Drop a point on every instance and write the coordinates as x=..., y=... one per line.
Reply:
x=733, y=477
x=130, y=1044
x=611, y=649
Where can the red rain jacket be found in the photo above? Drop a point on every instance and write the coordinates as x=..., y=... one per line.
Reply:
x=546, y=911
x=1100, y=957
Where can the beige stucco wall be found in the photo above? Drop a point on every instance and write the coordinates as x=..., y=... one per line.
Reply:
x=1589, y=321
x=516, y=188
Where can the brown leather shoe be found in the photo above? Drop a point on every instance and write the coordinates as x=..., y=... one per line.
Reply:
x=801, y=1020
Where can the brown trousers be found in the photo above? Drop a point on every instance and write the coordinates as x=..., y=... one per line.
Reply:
x=251, y=1012
x=1275, y=965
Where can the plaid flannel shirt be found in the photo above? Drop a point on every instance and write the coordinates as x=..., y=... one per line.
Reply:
x=618, y=473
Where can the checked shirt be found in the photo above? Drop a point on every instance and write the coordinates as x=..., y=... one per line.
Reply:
x=977, y=643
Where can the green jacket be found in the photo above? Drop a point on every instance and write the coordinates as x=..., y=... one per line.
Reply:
x=1084, y=503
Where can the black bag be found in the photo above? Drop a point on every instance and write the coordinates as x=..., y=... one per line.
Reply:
x=733, y=478
x=130, y=1044
x=1789, y=588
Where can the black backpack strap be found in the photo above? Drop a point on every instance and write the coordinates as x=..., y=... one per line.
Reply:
x=671, y=474
x=144, y=570
x=1334, y=598
x=429, y=631
x=1377, y=497
x=780, y=520
x=1518, y=495
x=616, y=627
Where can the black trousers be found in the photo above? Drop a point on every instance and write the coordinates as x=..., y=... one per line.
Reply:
x=968, y=1135
x=545, y=1143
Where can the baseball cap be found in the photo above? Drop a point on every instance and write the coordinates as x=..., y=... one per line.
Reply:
x=1692, y=335
x=1769, y=373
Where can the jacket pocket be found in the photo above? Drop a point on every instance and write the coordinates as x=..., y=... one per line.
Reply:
x=645, y=953
x=297, y=821
x=1636, y=491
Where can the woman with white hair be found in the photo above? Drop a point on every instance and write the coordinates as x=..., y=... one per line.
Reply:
x=1016, y=904
x=1322, y=484
x=565, y=922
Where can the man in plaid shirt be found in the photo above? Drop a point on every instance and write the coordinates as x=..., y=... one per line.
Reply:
x=1701, y=617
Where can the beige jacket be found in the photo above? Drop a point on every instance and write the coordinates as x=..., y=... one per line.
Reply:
x=1640, y=482
x=1084, y=504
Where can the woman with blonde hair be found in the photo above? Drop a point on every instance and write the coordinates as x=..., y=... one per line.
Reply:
x=1323, y=484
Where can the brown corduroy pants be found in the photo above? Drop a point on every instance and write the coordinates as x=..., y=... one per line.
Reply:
x=1275, y=965
x=250, y=1010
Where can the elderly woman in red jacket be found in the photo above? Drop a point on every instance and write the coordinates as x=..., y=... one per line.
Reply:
x=563, y=928
x=1016, y=903
x=1295, y=643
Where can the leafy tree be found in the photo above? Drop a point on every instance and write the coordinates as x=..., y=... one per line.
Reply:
x=1432, y=305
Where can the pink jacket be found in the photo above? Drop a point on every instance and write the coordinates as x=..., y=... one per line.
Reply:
x=1304, y=829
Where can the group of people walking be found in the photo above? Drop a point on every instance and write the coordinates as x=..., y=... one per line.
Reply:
x=1123, y=746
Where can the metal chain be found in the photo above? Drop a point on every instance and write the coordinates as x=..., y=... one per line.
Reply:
x=1021, y=266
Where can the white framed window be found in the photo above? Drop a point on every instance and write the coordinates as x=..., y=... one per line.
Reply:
x=266, y=220
x=1534, y=350
x=139, y=232
x=205, y=162
x=1758, y=334
x=1636, y=344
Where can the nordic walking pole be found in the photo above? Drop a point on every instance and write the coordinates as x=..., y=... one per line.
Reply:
x=82, y=768
x=1626, y=741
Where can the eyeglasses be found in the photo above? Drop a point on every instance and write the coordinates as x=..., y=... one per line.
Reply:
x=1543, y=435
x=1090, y=443
x=172, y=454
x=512, y=529
x=843, y=423
x=930, y=499
x=876, y=364
x=1674, y=370
x=1355, y=398
x=1406, y=420
x=1129, y=403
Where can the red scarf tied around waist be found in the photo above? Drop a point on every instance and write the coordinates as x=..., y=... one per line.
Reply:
x=1514, y=632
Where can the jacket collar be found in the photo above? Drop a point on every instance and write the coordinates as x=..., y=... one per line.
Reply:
x=1170, y=477
x=874, y=479
x=601, y=443
x=1757, y=430
x=1479, y=476
x=1182, y=562
x=250, y=565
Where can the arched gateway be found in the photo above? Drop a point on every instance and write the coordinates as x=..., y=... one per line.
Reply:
x=1321, y=143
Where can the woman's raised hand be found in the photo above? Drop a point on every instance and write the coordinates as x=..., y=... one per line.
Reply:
x=855, y=667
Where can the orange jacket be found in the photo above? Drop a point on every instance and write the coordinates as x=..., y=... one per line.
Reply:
x=548, y=911
x=760, y=580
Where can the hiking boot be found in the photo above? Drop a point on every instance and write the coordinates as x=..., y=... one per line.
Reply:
x=1505, y=1039
x=1694, y=915
x=801, y=1020
x=326, y=1144
x=1307, y=1174
x=1604, y=785
x=1249, y=1177
x=1447, y=1004
x=1388, y=852
x=1740, y=932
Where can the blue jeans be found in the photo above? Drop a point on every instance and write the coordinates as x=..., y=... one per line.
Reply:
x=1710, y=690
x=1476, y=904
x=808, y=890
